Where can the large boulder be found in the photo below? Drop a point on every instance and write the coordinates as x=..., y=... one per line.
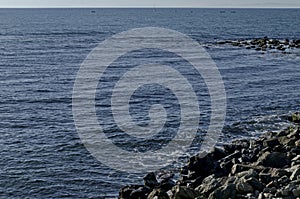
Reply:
x=274, y=159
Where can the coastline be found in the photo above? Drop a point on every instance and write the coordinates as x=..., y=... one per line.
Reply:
x=264, y=167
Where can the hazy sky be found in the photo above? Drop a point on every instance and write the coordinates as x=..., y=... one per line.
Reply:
x=151, y=3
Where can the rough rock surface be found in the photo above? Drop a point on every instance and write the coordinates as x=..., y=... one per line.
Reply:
x=265, y=167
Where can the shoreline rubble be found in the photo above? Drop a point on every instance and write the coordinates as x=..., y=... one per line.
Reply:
x=264, y=44
x=264, y=167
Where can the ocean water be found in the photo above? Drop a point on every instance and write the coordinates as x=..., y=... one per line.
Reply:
x=41, y=50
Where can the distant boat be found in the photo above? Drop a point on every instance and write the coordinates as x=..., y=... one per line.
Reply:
x=93, y=11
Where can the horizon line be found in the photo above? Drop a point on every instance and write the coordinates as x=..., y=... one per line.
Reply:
x=151, y=7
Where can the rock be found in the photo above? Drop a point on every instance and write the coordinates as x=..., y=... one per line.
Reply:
x=266, y=167
x=274, y=159
x=125, y=192
x=218, y=153
x=221, y=42
x=196, y=182
x=273, y=190
x=295, y=117
x=258, y=48
x=140, y=193
x=158, y=194
x=209, y=184
x=235, y=43
x=244, y=187
x=282, y=193
x=237, y=168
x=271, y=142
x=254, y=182
x=167, y=184
x=150, y=180
x=261, y=196
x=297, y=144
x=296, y=173
x=223, y=192
x=296, y=192
x=283, y=180
x=265, y=177
x=180, y=192
x=272, y=184
x=278, y=173
x=296, y=159
x=226, y=166
x=202, y=166
x=247, y=174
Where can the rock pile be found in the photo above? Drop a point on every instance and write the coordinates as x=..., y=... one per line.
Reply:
x=266, y=167
x=264, y=44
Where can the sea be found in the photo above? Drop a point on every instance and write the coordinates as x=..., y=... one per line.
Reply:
x=41, y=51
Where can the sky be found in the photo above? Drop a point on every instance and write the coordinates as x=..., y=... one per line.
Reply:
x=153, y=3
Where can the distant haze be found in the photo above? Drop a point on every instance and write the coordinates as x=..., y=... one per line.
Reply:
x=153, y=3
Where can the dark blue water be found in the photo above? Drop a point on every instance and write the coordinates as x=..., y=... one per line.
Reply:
x=41, y=50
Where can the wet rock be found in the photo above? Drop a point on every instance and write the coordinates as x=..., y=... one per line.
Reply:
x=258, y=49
x=202, y=166
x=125, y=192
x=295, y=117
x=167, y=184
x=150, y=180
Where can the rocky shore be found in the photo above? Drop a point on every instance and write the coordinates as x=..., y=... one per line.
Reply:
x=265, y=167
x=265, y=44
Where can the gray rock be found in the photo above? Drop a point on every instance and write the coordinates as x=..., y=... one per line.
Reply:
x=296, y=173
x=150, y=180
x=295, y=117
x=237, y=168
x=209, y=184
x=158, y=194
x=254, y=182
x=261, y=196
x=181, y=192
x=282, y=193
x=140, y=193
x=244, y=187
x=296, y=192
x=274, y=159
x=125, y=192
x=224, y=192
